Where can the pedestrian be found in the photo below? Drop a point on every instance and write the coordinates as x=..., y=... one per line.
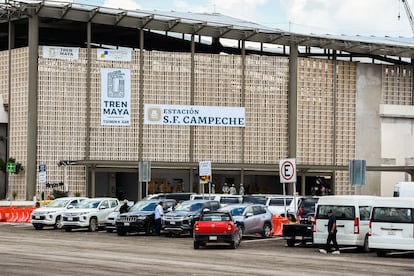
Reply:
x=159, y=212
x=124, y=208
x=241, y=189
x=213, y=188
x=233, y=190
x=225, y=188
x=331, y=235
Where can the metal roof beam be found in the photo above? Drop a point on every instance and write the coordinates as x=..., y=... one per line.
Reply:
x=224, y=30
x=119, y=17
x=65, y=10
x=250, y=34
x=172, y=24
x=199, y=27
x=93, y=13
x=145, y=21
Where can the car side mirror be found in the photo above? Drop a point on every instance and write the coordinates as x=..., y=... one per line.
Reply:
x=102, y=207
x=249, y=215
x=70, y=206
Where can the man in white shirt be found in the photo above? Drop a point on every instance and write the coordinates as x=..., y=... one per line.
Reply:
x=159, y=212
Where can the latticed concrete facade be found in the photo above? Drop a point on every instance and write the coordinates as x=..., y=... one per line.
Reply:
x=62, y=125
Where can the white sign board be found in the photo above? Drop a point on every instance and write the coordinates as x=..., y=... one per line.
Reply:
x=114, y=54
x=115, y=97
x=192, y=115
x=287, y=170
x=67, y=53
x=205, y=168
x=42, y=174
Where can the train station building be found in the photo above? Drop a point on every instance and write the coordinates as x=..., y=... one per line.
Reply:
x=88, y=93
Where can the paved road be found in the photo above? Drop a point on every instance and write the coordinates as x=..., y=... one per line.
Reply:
x=25, y=251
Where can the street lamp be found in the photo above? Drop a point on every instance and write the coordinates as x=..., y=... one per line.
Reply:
x=65, y=164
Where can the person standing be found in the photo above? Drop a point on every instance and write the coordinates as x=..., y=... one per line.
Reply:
x=233, y=190
x=124, y=208
x=159, y=212
x=331, y=235
x=241, y=189
x=225, y=189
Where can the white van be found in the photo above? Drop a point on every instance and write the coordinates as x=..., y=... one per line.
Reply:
x=224, y=199
x=392, y=225
x=352, y=220
x=276, y=204
x=404, y=189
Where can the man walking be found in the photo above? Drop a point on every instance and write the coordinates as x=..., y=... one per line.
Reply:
x=331, y=235
x=159, y=212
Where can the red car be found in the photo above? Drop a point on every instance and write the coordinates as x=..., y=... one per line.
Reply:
x=216, y=227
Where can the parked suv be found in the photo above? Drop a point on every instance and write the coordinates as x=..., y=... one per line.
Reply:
x=51, y=214
x=90, y=213
x=141, y=217
x=251, y=218
x=182, y=219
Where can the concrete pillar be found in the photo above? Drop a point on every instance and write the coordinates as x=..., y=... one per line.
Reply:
x=32, y=106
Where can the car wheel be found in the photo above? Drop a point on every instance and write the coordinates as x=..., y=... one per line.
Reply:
x=290, y=243
x=121, y=233
x=68, y=229
x=196, y=245
x=109, y=230
x=38, y=226
x=93, y=225
x=241, y=228
x=365, y=247
x=381, y=253
x=58, y=223
x=233, y=244
x=239, y=236
x=150, y=228
x=267, y=229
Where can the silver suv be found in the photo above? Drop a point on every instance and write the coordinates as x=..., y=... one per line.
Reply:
x=252, y=218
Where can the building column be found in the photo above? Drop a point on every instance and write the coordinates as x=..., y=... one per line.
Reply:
x=31, y=153
x=292, y=106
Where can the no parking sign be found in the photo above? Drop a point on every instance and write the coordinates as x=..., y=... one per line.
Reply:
x=287, y=170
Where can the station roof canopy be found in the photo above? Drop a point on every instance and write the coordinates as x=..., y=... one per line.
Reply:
x=63, y=15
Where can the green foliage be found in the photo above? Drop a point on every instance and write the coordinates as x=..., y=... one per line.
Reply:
x=60, y=194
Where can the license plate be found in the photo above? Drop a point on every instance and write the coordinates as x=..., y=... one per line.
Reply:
x=126, y=223
x=37, y=217
x=212, y=238
x=172, y=222
x=70, y=218
x=391, y=233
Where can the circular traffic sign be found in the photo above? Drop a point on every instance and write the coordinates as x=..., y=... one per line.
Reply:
x=287, y=170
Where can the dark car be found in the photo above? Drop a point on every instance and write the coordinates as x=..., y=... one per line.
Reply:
x=306, y=208
x=141, y=217
x=182, y=219
x=216, y=227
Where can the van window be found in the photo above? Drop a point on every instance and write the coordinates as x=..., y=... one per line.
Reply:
x=364, y=212
x=279, y=201
x=392, y=214
x=340, y=212
x=229, y=200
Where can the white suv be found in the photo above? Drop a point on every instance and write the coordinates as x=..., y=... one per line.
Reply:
x=51, y=214
x=90, y=213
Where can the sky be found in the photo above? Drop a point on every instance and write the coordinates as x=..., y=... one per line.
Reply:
x=350, y=17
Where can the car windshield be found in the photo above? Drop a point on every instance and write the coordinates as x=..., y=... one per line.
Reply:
x=93, y=203
x=57, y=203
x=236, y=211
x=189, y=206
x=144, y=206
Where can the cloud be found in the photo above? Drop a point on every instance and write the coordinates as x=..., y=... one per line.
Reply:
x=124, y=4
x=242, y=9
x=368, y=17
